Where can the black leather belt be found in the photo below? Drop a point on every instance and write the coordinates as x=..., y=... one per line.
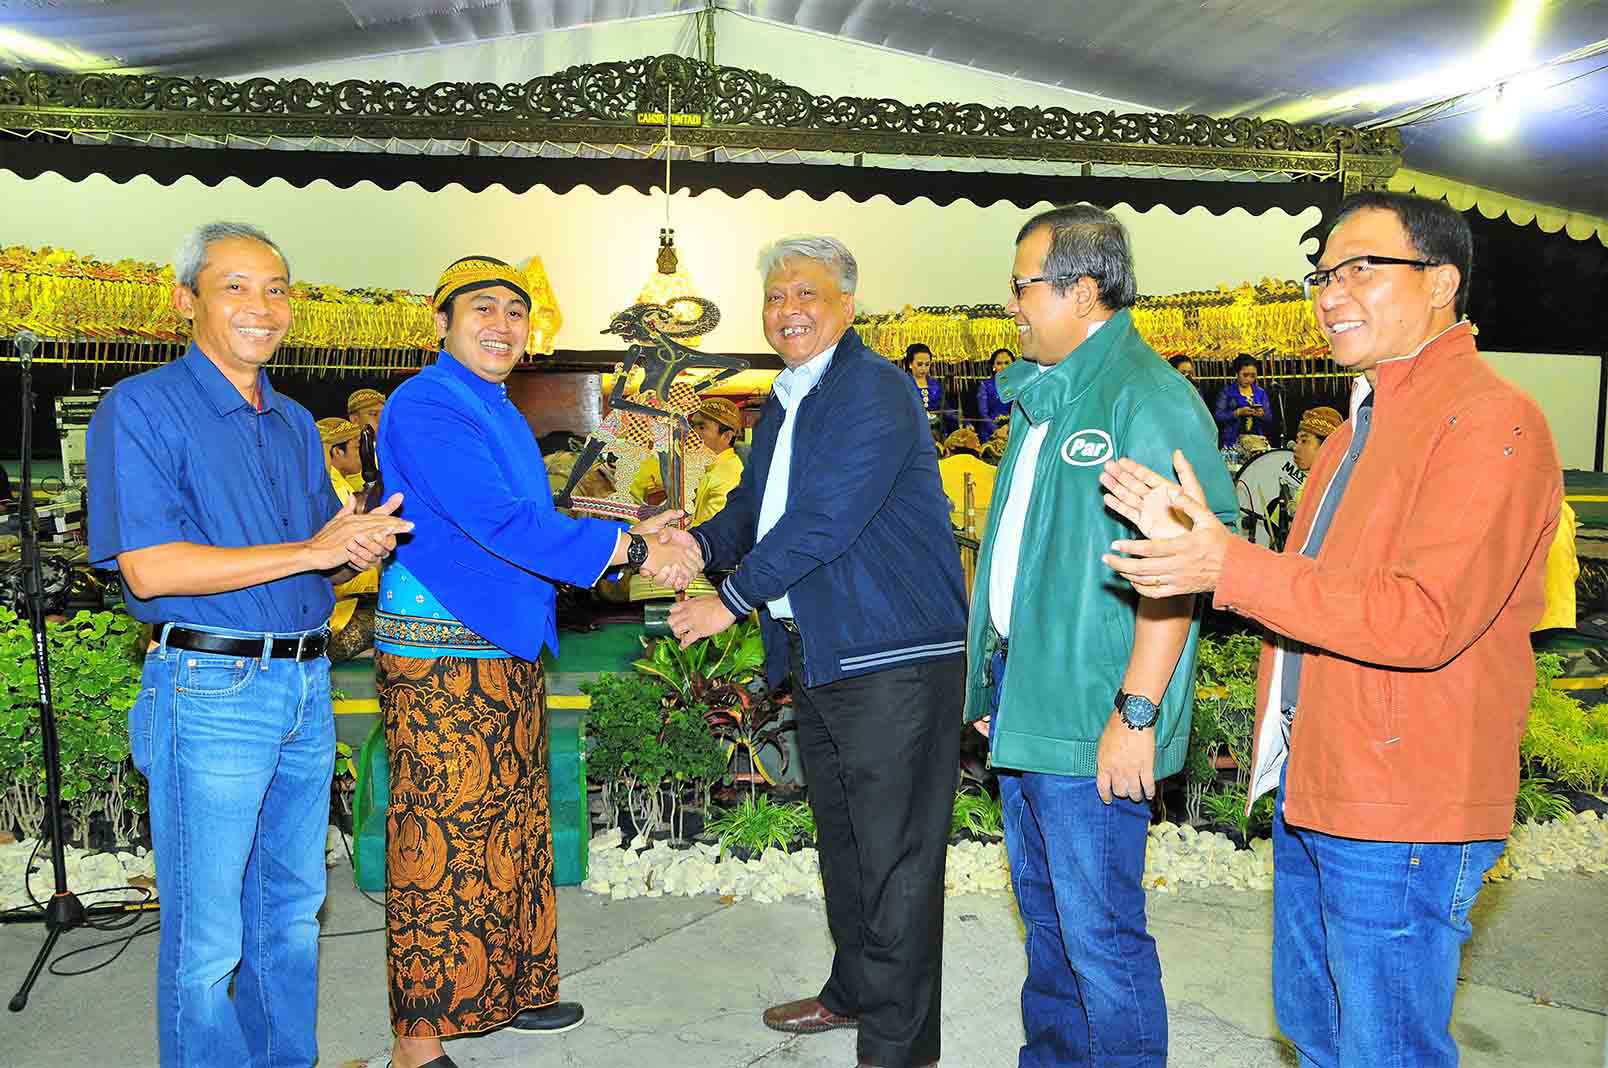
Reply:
x=308, y=647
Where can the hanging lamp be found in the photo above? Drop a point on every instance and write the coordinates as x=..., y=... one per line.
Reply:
x=669, y=279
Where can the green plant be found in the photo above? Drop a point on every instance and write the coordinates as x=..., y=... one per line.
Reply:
x=978, y=814
x=805, y=815
x=1230, y=663
x=1226, y=807
x=95, y=664
x=721, y=675
x=639, y=741
x=756, y=824
x=1564, y=737
x=1224, y=718
x=1536, y=803
x=702, y=670
x=345, y=784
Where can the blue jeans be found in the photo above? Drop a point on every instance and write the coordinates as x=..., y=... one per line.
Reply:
x=1093, y=991
x=239, y=753
x=1367, y=940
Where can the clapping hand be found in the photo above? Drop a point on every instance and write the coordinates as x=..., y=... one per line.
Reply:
x=1145, y=498
x=1185, y=542
x=358, y=540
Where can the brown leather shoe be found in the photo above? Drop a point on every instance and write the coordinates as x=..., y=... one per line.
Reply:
x=806, y=1016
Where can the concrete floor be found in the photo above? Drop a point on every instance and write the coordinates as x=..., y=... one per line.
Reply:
x=679, y=982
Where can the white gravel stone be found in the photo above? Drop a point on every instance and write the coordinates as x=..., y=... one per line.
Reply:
x=87, y=873
x=1178, y=856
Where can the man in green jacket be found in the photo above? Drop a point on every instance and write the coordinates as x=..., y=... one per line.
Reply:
x=1084, y=689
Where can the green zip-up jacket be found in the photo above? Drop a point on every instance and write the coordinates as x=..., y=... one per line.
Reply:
x=1072, y=618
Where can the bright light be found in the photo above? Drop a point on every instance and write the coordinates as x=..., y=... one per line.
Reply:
x=1509, y=48
x=1501, y=117
x=18, y=49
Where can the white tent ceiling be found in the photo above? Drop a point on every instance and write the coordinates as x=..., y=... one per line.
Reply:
x=1349, y=61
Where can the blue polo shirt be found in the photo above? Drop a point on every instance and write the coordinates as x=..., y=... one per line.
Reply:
x=177, y=454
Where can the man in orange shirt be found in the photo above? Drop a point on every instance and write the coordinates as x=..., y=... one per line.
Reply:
x=1396, y=672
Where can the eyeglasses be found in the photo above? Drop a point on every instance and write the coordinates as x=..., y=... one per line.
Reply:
x=1019, y=284
x=1349, y=272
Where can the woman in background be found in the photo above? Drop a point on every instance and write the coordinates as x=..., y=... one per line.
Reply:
x=1242, y=406
x=991, y=411
x=917, y=363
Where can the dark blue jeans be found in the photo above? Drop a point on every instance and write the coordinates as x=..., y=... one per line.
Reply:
x=1367, y=940
x=239, y=753
x=1093, y=992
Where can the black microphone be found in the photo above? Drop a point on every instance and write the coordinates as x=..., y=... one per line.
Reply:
x=25, y=341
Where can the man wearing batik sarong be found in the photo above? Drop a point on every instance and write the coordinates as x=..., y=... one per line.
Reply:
x=463, y=617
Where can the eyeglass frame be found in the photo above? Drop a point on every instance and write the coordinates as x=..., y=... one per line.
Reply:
x=1310, y=283
x=1019, y=284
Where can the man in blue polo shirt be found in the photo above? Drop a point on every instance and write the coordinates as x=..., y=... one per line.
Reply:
x=209, y=492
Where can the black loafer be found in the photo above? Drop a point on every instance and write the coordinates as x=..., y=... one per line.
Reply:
x=442, y=1061
x=552, y=1019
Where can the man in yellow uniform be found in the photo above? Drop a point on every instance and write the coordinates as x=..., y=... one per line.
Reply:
x=960, y=460
x=351, y=629
x=341, y=454
x=363, y=408
x=717, y=423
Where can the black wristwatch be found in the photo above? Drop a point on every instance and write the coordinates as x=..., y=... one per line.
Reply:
x=1137, y=712
x=636, y=551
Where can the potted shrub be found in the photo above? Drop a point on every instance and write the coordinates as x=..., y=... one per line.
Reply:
x=757, y=823
x=95, y=662
x=1565, y=741
x=645, y=749
x=977, y=816
x=722, y=675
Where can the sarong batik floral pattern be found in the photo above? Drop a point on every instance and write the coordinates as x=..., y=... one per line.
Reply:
x=469, y=908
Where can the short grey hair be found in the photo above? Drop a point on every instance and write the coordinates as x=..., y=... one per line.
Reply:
x=1087, y=242
x=828, y=250
x=192, y=255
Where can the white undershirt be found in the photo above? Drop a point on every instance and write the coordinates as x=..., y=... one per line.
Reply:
x=1008, y=534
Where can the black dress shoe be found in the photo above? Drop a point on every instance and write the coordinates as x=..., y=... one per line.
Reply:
x=551, y=1019
x=442, y=1061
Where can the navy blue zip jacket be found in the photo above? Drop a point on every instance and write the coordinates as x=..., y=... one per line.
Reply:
x=864, y=550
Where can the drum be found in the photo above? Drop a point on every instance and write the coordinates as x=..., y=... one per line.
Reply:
x=1266, y=486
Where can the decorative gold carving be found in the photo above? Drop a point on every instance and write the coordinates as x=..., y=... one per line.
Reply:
x=601, y=103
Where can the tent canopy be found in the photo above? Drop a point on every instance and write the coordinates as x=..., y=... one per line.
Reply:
x=1448, y=68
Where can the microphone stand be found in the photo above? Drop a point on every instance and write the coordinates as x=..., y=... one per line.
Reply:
x=64, y=911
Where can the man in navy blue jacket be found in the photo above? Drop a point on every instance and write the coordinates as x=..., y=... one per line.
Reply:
x=839, y=537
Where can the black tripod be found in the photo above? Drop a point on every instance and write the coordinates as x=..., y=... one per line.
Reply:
x=64, y=911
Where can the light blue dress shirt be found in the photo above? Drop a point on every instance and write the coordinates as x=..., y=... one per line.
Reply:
x=790, y=387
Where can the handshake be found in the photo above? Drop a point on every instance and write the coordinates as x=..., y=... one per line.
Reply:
x=674, y=557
